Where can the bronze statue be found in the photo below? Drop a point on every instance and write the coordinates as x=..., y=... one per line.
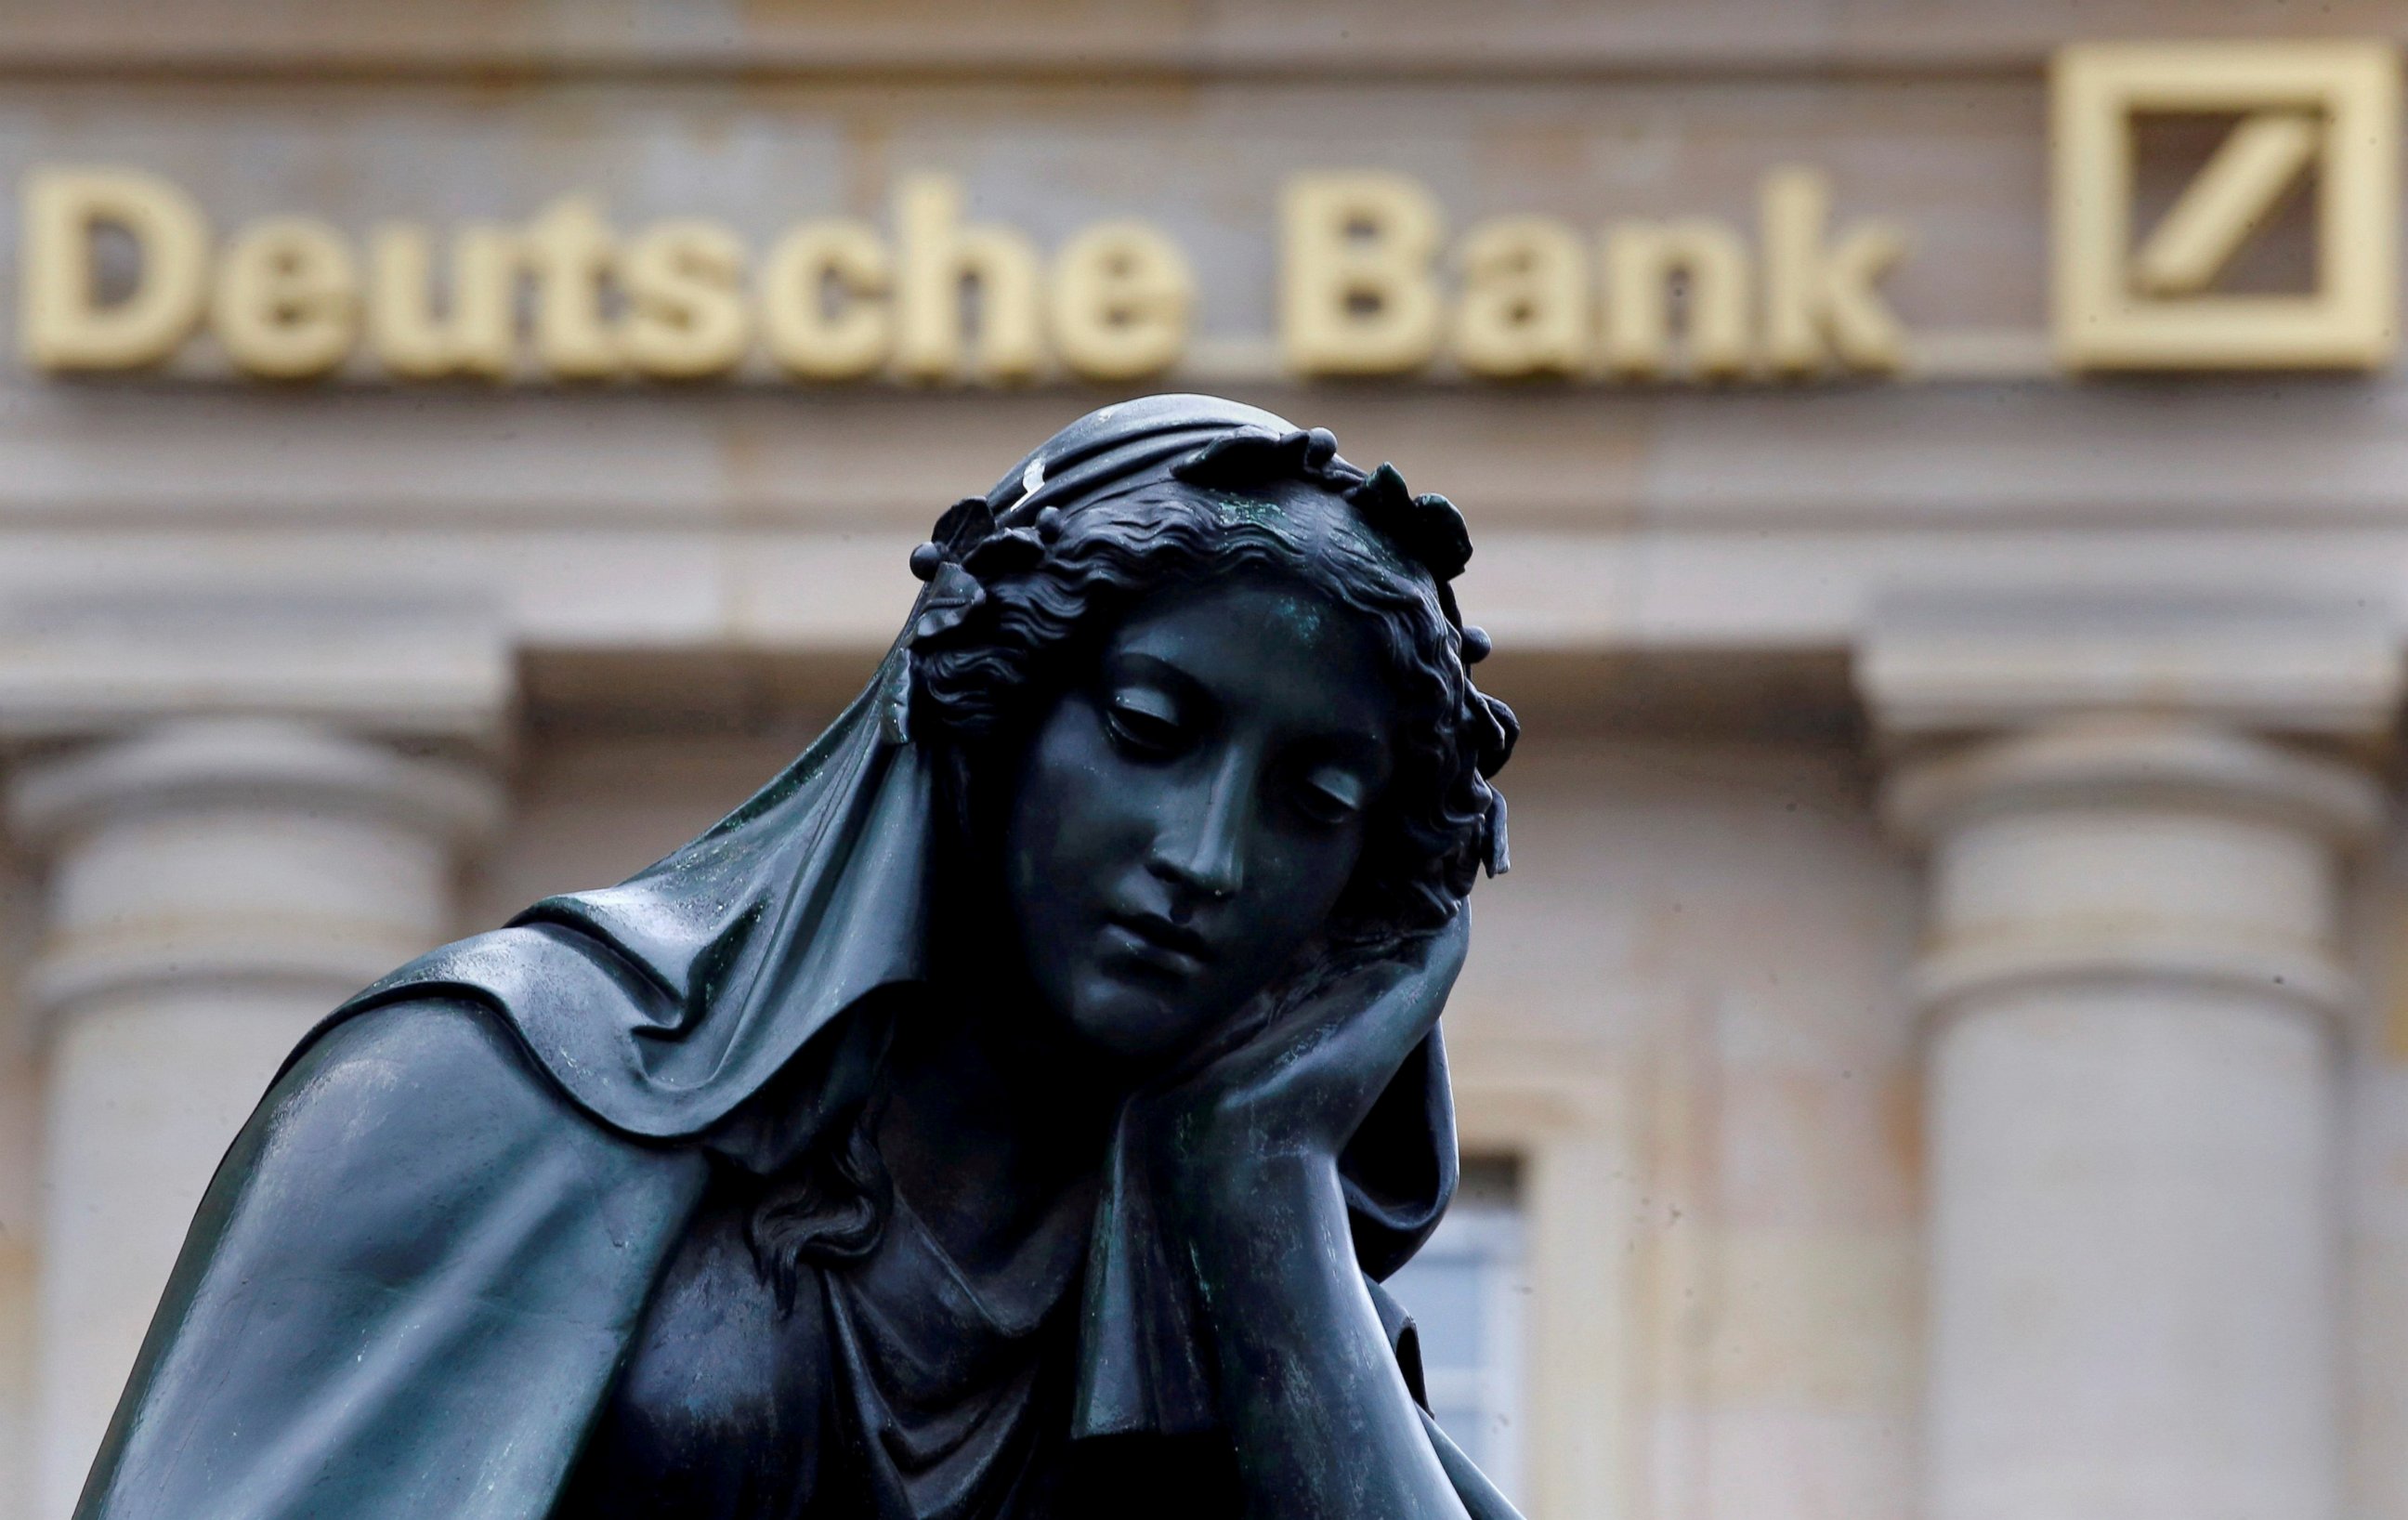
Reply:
x=1005, y=1114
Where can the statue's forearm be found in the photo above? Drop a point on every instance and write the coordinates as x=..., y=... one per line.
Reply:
x=1323, y=1426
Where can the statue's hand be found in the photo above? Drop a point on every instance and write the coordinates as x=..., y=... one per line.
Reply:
x=1245, y=1145
x=1300, y=1080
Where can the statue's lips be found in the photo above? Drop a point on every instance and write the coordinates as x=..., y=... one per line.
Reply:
x=1159, y=944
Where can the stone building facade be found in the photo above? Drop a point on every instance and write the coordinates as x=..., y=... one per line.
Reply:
x=1942, y=1048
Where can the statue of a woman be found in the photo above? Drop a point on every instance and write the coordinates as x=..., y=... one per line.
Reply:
x=1004, y=1116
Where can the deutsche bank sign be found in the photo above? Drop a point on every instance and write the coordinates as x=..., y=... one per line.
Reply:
x=121, y=270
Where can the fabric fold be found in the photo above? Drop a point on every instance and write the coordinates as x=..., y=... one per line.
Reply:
x=664, y=1005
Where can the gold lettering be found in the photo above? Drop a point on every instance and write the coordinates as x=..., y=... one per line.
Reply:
x=475, y=334
x=1524, y=309
x=942, y=299
x=571, y=250
x=816, y=337
x=1815, y=292
x=287, y=302
x=1356, y=296
x=64, y=322
x=1641, y=259
x=939, y=256
x=686, y=315
x=1122, y=293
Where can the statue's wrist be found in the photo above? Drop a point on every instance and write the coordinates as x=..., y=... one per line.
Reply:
x=1228, y=1192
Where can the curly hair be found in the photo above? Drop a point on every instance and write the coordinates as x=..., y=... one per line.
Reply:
x=980, y=678
x=1018, y=606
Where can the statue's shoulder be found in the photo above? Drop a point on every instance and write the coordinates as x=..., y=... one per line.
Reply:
x=438, y=1028
x=414, y=1191
x=433, y=1091
x=427, y=1048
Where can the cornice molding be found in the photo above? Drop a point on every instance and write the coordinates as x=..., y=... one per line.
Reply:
x=1135, y=43
x=1979, y=660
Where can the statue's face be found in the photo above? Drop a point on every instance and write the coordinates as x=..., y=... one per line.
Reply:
x=1186, y=818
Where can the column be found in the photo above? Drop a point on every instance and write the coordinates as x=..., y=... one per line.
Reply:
x=2132, y=982
x=215, y=886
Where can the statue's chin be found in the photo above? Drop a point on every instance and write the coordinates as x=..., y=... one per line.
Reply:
x=1136, y=1014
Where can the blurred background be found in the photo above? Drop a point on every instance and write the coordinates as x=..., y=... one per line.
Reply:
x=1940, y=470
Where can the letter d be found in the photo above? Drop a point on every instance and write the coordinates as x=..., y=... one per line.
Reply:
x=63, y=323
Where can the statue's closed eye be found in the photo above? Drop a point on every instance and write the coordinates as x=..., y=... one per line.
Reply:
x=1332, y=793
x=1145, y=722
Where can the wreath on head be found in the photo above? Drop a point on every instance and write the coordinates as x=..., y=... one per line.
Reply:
x=973, y=542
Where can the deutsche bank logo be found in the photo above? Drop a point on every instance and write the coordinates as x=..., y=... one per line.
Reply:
x=2318, y=117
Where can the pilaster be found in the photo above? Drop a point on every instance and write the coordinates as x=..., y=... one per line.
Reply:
x=2137, y=816
x=238, y=823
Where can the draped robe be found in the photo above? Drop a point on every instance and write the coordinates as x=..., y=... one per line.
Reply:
x=422, y=1268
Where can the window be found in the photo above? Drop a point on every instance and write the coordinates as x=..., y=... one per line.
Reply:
x=1466, y=1291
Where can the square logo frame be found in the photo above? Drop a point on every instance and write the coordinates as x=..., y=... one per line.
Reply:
x=2103, y=318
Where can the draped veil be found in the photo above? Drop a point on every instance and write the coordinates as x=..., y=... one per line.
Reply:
x=660, y=1006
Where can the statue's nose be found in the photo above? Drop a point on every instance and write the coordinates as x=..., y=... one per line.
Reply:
x=1201, y=846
